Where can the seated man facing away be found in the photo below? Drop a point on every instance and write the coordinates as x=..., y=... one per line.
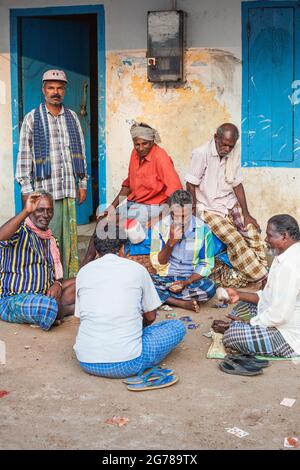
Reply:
x=32, y=289
x=215, y=181
x=182, y=252
x=115, y=299
x=151, y=179
x=274, y=313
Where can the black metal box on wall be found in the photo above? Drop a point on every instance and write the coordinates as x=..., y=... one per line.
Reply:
x=165, y=46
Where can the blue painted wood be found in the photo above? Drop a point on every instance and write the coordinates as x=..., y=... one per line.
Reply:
x=295, y=92
x=15, y=17
x=245, y=88
x=259, y=81
x=270, y=49
x=15, y=103
x=270, y=4
x=282, y=78
x=101, y=112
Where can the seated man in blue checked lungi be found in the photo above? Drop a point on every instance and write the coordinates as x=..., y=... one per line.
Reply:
x=268, y=322
x=182, y=252
x=32, y=289
x=116, y=302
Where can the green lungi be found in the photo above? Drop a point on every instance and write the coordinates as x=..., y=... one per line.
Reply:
x=64, y=229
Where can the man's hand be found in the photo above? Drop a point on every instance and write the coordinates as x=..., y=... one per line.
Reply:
x=248, y=219
x=24, y=198
x=32, y=202
x=177, y=286
x=108, y=212
x=233, y=295
x=81, y=195
x=236, y=318
x=176, y=234
x=55, y=291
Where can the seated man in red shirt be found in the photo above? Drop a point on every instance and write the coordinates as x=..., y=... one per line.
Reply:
x=151, y=179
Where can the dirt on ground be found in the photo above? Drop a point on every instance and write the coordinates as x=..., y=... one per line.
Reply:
x=53, y=404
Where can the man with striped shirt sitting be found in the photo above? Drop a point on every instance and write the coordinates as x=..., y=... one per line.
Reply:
x=32, y=289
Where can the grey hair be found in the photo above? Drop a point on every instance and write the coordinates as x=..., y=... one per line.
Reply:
x=284, y=223
x=227, y=126
x=44, y=193
x=181, y=198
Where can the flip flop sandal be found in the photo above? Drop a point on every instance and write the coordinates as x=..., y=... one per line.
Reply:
x=236, y=369
x=162, y=382
x=153, y=374
x=262, y=363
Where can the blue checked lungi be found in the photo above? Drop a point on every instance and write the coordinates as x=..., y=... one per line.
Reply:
x=201, y=290
x=35, y=309
x=157, y=342
x=255, y=339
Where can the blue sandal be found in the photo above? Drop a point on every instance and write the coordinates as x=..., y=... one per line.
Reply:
x=162, y=382
x=153, y=374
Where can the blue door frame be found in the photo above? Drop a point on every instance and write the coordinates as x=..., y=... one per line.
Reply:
x=15, y=16
x=246, y=6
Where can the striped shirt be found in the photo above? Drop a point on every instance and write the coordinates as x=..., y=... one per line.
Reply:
x=26, y=264
x=62, y=182
x=193, y=254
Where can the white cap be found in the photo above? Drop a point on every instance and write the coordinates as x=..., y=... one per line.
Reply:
x=134, y=230
x=55, y=75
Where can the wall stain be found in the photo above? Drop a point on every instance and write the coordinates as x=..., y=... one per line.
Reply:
x=186, y=115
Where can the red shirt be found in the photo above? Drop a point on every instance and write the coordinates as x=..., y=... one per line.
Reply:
x=154, y=180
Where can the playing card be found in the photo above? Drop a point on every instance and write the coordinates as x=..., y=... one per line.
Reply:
x=291, y=442
x=237, y=432
x=288, y=402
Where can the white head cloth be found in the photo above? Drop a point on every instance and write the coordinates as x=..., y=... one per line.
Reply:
x=147, y=133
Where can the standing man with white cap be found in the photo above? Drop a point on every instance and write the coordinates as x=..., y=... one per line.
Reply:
x=52, y=158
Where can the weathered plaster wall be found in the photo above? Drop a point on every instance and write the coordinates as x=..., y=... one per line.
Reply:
x=185, y=116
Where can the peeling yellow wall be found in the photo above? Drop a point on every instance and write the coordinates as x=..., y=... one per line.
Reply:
x=273, y=191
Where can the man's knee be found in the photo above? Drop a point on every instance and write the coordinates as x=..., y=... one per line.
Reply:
x=180, y=328
x=211, y=289
x=47, y=314
x=68, y=294
x=228, y=339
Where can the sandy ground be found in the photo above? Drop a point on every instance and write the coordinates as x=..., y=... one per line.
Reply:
x=52, y=404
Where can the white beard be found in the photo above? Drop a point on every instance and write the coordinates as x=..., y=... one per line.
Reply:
x=272, y=251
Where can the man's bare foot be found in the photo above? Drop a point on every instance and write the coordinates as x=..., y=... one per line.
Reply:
x=192, y=305
x=186, y=304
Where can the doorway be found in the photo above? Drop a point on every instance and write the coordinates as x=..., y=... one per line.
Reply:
x=62, y=40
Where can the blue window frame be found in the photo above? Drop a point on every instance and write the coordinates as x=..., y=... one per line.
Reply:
x=271, y=84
